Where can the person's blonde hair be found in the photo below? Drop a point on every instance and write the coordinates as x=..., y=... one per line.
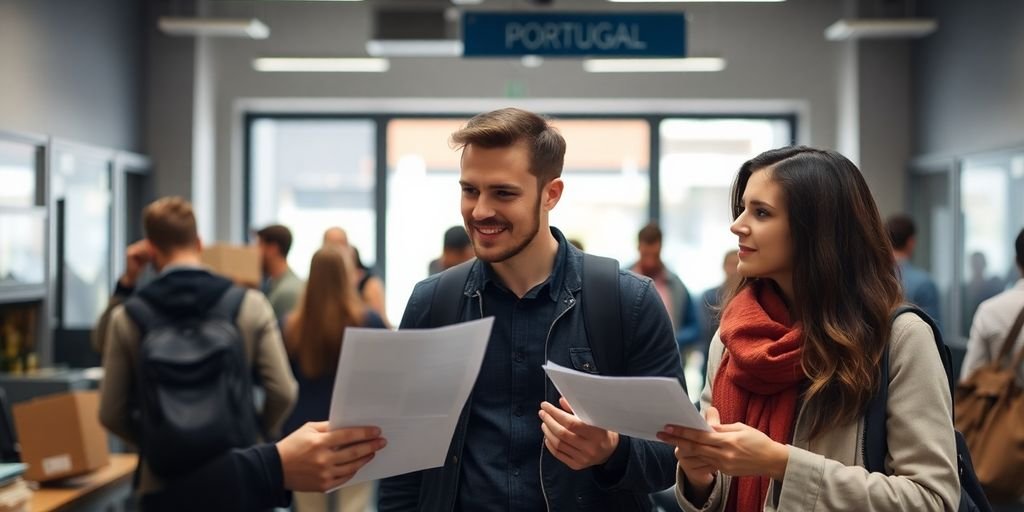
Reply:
x=328, y=305
x=169, y=224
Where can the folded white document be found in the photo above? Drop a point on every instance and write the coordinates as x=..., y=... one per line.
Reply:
x=411, y=383
x=634, y=406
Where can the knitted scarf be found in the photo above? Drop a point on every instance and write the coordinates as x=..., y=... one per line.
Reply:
x=759, y=379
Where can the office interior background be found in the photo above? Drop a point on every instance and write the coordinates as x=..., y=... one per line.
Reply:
x=102, y=111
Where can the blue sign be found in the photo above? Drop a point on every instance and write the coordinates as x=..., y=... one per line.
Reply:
x=493, y=34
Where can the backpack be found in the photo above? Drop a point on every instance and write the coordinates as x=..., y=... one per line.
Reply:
x=600, y=302
x=195, y=386
x=989, y=413
x=972, y=496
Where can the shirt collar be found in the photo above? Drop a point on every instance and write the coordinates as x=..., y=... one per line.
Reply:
x=552, y=283
x=174, y=267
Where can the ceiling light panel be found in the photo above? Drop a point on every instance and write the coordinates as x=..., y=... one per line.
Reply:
x=213, y=27
x=321, y=65
x=689, y=64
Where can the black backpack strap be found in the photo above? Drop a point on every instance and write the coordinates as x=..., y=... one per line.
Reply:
x=144, y=315
x=876, y=445
x=229, y=304
x=446, y=303
x=602, y=316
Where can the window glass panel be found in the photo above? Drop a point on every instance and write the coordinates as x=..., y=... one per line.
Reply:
x=933, y=217
x=699, y=161
x=311, y=174
x=83, y=182
x=17, y=174
x=991, y=204
x=423, y=201
x=607, y=185
x=22, y=243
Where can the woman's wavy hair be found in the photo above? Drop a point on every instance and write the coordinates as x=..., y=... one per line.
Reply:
x=845, y=286
x=328, y=305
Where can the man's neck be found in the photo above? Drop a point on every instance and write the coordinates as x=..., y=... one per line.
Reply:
x=183, y=259
x=530, y=267
x=656, y=272
x=278, y=269
x=901, y=256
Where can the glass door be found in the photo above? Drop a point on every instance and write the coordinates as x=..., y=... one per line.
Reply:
x=931, y=207
x=992, y=210
x=80, y=199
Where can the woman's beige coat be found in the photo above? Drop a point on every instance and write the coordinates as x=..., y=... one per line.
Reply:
x=827, y=473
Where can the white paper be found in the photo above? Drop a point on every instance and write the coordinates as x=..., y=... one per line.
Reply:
x=635, y=406
x=411, y=383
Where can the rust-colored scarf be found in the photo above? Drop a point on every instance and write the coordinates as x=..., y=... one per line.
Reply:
x=759, y=379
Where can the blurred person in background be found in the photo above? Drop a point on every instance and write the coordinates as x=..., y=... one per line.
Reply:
x=681, y=309
x=711, y=304
x=313, y=337
x=918, y=286
x=457, y=249
x=368, y=284
x=281, y=285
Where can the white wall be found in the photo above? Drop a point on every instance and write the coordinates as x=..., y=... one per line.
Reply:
x=73, y=69
x=969, y=78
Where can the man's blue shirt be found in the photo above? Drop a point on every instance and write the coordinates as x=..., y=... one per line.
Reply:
x=919, y=289
x=502, y=472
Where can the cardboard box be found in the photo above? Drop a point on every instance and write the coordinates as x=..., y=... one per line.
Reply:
x=60, y=435
x=240, y=263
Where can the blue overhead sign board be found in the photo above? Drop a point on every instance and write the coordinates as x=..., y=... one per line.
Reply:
x=495, y=34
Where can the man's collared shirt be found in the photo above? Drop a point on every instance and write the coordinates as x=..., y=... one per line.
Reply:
x=500, y=468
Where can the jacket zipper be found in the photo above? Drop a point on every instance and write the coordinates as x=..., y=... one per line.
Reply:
x=540, y=461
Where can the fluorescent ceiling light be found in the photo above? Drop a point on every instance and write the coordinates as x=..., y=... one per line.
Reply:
x=681, y=1
x=313, y=64
x=414, y=47
x=223, y=27
x=653, y=65
x=845, y=29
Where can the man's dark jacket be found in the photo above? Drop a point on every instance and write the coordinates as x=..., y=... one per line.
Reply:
x=637, y=468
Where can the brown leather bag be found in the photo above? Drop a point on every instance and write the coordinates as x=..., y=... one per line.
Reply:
x=990, y=413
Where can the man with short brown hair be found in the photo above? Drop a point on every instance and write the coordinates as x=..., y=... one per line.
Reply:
x=183, y=294
x=507, y=453
x=282, y=286
x=674, y=294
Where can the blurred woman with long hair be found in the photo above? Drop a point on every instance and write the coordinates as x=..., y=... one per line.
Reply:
x=313, y=334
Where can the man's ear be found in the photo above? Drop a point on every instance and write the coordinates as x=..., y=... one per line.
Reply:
x=552, y=193
x=156, y=257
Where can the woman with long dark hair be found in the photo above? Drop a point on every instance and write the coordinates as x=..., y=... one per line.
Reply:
x=312, y=336
x=795, y=360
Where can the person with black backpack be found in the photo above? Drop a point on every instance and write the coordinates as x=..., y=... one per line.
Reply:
x=517, y=444
x=181, y=353
x=795, y=364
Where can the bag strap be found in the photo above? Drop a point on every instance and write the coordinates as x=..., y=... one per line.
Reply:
x=229, y=305
x=145, y=316
x=602, y=317
x=1011, y=340
x=448, y=294
x=876, y=444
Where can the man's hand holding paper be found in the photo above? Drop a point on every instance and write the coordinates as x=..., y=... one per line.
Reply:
x=639, y=407
x=572, y=441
